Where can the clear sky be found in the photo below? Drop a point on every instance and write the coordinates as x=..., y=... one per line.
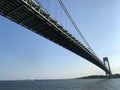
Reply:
x=26, y=55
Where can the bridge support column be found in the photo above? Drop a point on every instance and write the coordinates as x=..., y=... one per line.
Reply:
x=106, y=63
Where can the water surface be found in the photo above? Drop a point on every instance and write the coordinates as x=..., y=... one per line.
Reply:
x=75, y=84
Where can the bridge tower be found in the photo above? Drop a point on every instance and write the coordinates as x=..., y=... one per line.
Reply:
x=106, y=63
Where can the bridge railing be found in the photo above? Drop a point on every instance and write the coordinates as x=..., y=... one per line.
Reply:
x=52, y=10
x=39, y=12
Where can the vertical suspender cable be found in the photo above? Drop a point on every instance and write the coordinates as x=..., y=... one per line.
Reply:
x=74, y=24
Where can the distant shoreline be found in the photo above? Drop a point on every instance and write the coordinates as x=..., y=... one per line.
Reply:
x=86, y=77
x=100, y=76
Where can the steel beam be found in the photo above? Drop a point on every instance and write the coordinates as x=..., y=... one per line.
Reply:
x=46, y=21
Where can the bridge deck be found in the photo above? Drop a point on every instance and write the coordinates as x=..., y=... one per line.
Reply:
x=36, y=19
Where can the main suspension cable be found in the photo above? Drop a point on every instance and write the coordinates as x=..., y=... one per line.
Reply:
x=74, y=24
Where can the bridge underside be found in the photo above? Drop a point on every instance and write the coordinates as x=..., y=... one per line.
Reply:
x=39, y=21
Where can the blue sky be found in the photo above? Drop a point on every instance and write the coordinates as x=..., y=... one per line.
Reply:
x=26, y=55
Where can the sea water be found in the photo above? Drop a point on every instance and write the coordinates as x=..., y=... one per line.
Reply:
x=73, y=84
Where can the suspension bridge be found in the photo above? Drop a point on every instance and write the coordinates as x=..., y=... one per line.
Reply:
x=45, y=20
